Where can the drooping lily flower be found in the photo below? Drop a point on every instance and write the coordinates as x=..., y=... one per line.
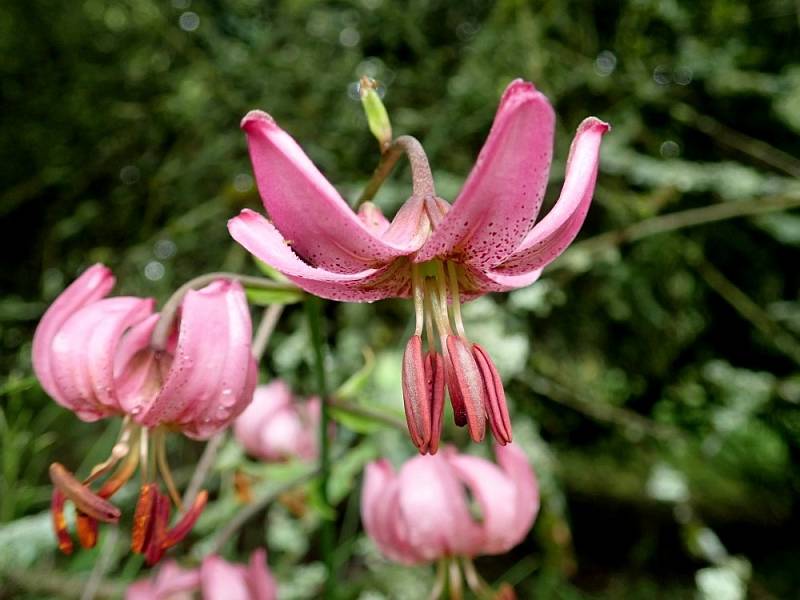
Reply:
x=434, y=252
x=275, y=426
x=215, y=579
x=422, y=513
x=97, y=357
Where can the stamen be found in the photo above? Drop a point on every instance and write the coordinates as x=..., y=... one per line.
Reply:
x=435, y=378
x=186, y=523
x=60, y=522
x=163, y=467
x=143, y=455
x=429, y=323
x=118, y=452
x=455, y=299
x=439, y=309
x=142, y=517
x=123, y=473
x=419, y=299
x=154, y=549
x=86, y=528
x=441, y=577
x=456, y=585
x=495, y=396
x=474, y=580
x=465, y=380
x=416, y=394
x=84, y=499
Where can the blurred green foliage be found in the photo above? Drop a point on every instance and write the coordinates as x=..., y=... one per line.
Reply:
x=654, y=379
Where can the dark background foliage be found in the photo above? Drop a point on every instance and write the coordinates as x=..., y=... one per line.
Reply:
x=653, y=372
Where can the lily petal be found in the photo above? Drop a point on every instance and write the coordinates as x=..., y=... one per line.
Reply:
x=221, y=579
x=267, y=401
x=94, y=283
x=260, y=581
x=307, y=209
x=82, y=354
x=496, y=495
x=551, y=236
x=503, y=193
x=513, y=461
x=211, y=328
x=260, y=238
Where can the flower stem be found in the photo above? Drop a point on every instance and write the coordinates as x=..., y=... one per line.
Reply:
x=162, y=329
x=420, y=169
x=313, y=306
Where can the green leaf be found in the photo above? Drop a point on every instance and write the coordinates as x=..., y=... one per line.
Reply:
x=266, y=297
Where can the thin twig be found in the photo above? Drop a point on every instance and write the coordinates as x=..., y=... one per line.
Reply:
x=756, y=148
x=748, y=309
x=203, y=467
x=687, y=218
x=101, y=565
x=265, y=328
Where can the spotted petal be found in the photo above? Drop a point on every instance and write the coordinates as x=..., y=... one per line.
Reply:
x=306, y=208
x=551, y=236
x=504, y=191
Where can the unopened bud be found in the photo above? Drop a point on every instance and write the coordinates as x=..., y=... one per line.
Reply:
x=377, y=117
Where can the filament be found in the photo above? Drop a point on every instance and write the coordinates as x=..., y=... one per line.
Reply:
x=455, y=299
x=163, y=467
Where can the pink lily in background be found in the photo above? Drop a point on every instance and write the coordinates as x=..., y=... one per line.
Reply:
x=438, y=254
x=276, y=426
x=215, y=579
x=422, y=513
x=96, y=356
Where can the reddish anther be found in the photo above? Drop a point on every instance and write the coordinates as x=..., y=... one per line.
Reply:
x=465, y=384
x=84, y=499
x=495, y=396
x=154, y=548
x=416, y=394
x=184, y=526
x=59, y=522
x=86, y=529
x=142, y=517
x=434, y=377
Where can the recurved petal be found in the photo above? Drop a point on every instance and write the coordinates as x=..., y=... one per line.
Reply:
x=477, y=282
x=551, y=236
x=221, y=579
x=513, y=461
x=235, y=381
x=212, y=362
x=82, y=354
x=503, y=193
x=94, y=283
x=260, y=581
x=260, y=238
x=433, y=507
x=267, y=400
x=496, y=495
x=307, y=209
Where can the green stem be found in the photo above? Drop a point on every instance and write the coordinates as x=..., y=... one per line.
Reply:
x=313, y=306
x=422, y=179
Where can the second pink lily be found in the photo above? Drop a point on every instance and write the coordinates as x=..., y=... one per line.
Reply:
x=436, y=253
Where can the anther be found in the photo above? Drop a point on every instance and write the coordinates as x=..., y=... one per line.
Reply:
x=495, y=396
x=416, y=394
x=59, y=522
x=466, y=386
x=83, y=498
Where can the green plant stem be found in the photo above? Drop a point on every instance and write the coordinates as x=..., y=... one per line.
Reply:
x=420, y=169
x=313, y=306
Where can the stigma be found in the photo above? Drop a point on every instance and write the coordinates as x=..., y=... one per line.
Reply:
x=451, y=361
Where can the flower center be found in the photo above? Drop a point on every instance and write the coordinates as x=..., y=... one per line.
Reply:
x=136, y=447
x=475, y=389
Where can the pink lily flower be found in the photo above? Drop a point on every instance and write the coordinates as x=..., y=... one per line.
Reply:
x=422, y=513
x=434, y=252
x=94, y=356
x=276, y=427
x=215, y=579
